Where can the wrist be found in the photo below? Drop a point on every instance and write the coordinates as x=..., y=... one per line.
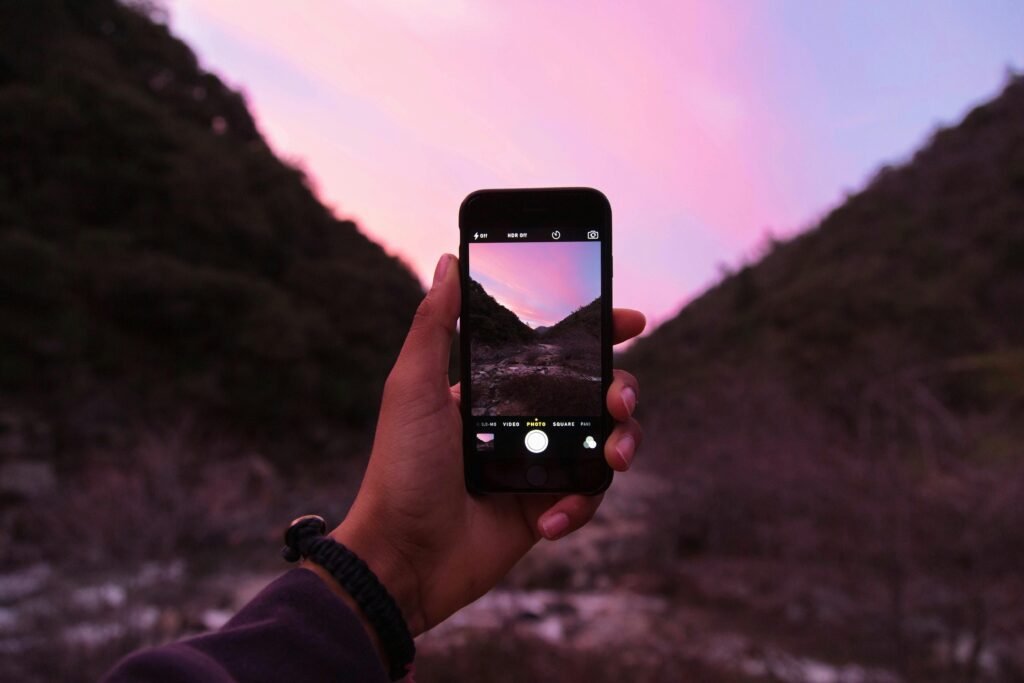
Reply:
x=392, y=569
x=340, y=559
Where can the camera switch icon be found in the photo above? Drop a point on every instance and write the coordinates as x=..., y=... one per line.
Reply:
x=592, y=235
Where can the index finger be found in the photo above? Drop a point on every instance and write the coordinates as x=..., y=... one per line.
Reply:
x=626, y=324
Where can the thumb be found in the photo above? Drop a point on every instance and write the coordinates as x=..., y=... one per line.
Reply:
x=424, y=356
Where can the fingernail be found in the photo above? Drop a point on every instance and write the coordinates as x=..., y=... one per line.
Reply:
x=441, y=269
x=626, y=448
x=554, y=525
x=629, y=398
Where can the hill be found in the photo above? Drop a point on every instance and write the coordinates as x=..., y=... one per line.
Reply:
x=584, y=322
x=493, y=324
x=842, y=422
x=904, y=301
x=922, y=267
x=156, y=257
x=518, y=371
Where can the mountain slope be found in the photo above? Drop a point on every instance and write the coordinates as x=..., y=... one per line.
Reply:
x=857, y=394
x=584, y=322
x=840, y=426
x=493, y=324
x=909, y=293
x=156, y=256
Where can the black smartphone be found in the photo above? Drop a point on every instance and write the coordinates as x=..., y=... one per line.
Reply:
x=536, y=339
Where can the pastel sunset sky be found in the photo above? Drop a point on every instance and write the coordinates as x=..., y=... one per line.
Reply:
x=541, y=282
x=708, y=125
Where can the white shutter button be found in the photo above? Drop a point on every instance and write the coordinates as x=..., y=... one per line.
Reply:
x=536, y=441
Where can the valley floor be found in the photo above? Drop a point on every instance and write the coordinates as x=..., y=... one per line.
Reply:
x=608, y=603
x=542, y=379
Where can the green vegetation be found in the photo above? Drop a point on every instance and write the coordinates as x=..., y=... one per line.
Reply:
x=156, y=257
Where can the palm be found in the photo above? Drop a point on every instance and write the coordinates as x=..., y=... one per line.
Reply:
x=413, y=511
x=479, y=537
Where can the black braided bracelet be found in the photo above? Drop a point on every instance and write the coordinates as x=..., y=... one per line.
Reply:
x=305, y=538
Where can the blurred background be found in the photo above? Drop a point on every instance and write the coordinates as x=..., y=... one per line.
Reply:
x=216, y=220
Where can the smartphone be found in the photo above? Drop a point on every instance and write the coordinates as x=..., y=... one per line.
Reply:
x=536, y=339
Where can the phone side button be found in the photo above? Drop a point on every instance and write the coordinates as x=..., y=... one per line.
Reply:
x=537, y=475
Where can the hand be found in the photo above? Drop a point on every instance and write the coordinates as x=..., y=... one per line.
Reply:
x=434, y=546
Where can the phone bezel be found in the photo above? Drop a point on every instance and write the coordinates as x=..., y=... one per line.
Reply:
x=512, y=209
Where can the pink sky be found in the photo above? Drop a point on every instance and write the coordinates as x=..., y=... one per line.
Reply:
x=541, y=282
x=705, y=123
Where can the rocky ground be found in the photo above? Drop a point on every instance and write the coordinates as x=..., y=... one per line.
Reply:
x=575, y=605
x=542, y=378
x=616, y=601
x=608, y=602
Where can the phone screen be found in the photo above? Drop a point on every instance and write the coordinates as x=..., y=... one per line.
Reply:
x=535, y=331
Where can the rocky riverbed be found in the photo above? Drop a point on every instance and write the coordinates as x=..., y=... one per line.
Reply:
x=541, y=378
x=601, y=604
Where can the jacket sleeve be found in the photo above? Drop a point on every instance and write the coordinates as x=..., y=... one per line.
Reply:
x=296, y=629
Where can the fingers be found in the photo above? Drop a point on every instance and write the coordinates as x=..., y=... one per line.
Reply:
x=626, y=324
x=572, y=512
x=623, y=395
x=567, y=515
x=621, y=447
x=622, y=399
x=424, y=355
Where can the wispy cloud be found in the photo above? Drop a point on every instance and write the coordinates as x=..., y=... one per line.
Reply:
x=703, y=122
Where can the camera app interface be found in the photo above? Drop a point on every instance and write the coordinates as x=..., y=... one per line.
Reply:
x=534, y=325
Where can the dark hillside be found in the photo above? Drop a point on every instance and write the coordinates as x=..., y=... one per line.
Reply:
x=584, y=321
x=155, y=256
x=493, y=324
x=842, y=423
x=917, y=280
x=188, y=337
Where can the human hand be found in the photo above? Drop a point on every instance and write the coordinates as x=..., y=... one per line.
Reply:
x=435, y=547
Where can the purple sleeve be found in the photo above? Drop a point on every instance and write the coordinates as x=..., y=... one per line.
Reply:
x=296, y=629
